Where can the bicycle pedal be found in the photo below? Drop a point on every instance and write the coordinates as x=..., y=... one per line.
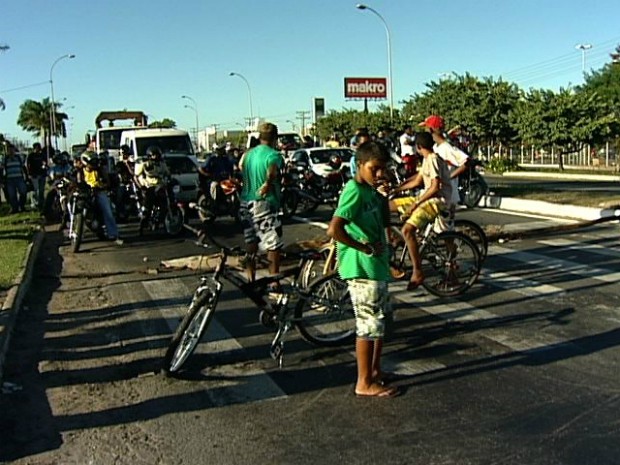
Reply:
x=277, y=351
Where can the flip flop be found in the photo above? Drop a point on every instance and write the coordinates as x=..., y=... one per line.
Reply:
x=387, y=393
x=413, y=285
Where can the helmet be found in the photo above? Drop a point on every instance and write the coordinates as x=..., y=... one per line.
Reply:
x=89, y=158
x=125, y=150
x=153, y=152
x=335, y=162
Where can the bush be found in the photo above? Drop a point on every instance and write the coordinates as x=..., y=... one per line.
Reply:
x=500, y=165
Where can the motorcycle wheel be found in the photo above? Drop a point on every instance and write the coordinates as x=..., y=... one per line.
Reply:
x=77, y=233
x=205, y=215
x=173, y=221
x=473, y=194
x=290, y=200
x=307, y=205
x=51, y=209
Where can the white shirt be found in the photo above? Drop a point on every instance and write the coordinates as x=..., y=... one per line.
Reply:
x=454, y=158
x=406, y=144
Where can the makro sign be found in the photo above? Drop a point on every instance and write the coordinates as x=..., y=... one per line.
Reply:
x=365, y=88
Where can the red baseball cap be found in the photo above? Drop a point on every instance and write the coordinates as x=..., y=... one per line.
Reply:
x=433, y=122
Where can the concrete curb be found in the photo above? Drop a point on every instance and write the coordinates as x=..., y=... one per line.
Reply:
x=567, y=176
x=13, y=302
x=547, y=208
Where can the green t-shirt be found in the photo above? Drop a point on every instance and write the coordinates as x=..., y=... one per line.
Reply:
x=255, y=166
x=362, y=207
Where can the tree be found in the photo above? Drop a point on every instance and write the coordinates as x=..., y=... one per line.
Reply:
x=166, y=123
x=35, y=117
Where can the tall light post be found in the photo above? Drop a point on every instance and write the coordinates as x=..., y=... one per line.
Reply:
x=361, y=6
x=195, y=108
x=232, y=73
x=53, y=107
x=196, y=112
x=292, y=124
x=584, y=48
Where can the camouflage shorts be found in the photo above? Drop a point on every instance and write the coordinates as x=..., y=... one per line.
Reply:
x=371, y=303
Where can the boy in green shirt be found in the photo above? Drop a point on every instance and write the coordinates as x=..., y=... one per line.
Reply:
x=358, y=225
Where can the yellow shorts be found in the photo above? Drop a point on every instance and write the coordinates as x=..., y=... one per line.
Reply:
x=431, y=210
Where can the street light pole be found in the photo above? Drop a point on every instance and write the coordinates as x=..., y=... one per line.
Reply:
x=584, y=48
x=53, y=107
x=361, y=6
x=196, y=112
x=232, y=73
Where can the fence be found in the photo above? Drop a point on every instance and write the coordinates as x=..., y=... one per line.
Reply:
x=604, y=157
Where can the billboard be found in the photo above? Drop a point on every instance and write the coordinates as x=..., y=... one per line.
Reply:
x=358, y=87
x=318, y=108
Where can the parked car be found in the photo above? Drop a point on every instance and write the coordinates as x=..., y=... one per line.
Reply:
x=317, y=158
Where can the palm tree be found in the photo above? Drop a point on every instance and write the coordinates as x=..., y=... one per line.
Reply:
x=35, y=117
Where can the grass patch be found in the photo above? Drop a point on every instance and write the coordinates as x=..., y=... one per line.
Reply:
x=16, y=232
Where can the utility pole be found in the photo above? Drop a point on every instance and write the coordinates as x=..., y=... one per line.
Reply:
x=302, y=116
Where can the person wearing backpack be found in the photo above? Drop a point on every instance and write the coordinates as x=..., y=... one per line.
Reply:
x=14, y=175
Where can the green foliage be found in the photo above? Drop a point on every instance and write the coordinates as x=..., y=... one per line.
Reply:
x=165, y=123
x=500, y=165
x=35, y=117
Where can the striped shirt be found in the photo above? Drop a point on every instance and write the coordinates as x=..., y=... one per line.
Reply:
x=13, y=167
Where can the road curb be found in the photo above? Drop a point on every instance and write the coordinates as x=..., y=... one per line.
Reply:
x=13, y=302
x=540, y=207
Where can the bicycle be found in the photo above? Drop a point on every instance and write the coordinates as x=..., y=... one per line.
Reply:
x=325, y=261
x=323, y=312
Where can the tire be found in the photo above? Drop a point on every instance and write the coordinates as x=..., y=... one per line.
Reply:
x=51, y=208
x=289, y=202
x=173, y=221
x=192, y=327
x=324, y=314
x=204, y=213
x=473, y=194
x=475, y=232
x=78, y=232
x=315, y=269
x=450, y=263
x=307, y=205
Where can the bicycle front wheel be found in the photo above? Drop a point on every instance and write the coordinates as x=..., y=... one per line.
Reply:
x=450, y=263
x=324, y=314
x=475, y=232
x=315, y=268
x=192, y=327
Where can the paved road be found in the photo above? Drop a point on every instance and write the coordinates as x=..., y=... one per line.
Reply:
x=521, y=370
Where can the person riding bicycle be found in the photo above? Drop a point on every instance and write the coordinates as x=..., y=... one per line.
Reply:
x=151, y=175
x=218, y=167
x=432, y=205
x=97, y=178
x=455, y=158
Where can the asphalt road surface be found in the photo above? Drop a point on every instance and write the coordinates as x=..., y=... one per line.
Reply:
x=523, y=369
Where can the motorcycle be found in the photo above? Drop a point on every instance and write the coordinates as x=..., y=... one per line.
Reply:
x=56, y=200
x=217, y=200
x=166, y=210
x=472, y=185
x=306, y=190
x=83, y=210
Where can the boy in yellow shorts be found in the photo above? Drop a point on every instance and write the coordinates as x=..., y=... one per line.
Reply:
x=431, y=205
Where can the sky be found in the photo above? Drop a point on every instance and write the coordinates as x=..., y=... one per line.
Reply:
x=145, y=54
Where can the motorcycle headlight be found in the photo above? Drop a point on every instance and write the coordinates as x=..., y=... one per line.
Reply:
x=176, y=188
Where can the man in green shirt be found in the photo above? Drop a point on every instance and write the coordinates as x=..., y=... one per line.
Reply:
x=260, y=200
x=358, y=225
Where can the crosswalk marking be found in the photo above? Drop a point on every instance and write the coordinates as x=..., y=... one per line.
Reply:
x=591, y=248
x=243, y=382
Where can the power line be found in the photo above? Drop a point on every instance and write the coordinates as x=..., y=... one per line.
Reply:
x=24, y=87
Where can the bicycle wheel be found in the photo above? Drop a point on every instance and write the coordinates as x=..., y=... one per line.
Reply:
x=475, y=233
x=315, y=268
x=324, y=315
x=193, y=326
x=450, y=263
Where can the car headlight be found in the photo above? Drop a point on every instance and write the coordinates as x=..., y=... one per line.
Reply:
x=176, y=188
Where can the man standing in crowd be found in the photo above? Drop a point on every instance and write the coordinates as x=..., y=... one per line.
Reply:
x=14, y=174
x=36, y=164
x=408, y=151
x=260, y=201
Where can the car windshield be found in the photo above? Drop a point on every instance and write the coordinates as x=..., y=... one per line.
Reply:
x=110, y=139
x=180, y=165
x=323, y=156
x=167, y=144
x=291, y=141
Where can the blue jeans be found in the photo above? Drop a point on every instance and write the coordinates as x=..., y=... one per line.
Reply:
x=16, y=190
x=103, y=201
x=39, y=190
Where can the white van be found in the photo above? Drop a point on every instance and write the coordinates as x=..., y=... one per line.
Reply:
x=177, y=150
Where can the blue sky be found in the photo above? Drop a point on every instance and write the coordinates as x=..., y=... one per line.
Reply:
x=145, y=54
